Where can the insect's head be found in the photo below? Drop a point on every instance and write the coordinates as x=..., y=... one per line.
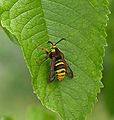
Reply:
x=54, y=45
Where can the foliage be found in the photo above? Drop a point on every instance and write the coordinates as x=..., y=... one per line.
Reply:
x=5, y=118
x=39, y=113
x=11, y=36
x=109, y=64
x=82, y=24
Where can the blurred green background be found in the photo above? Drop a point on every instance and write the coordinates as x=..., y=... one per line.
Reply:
x=15, y=81
x=16, y=94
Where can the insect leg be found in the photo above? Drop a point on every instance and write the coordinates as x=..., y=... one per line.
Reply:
x=43, y=49
x=44, y=58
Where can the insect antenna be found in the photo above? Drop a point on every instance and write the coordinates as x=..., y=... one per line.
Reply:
x=50, y=42
x=60, y=40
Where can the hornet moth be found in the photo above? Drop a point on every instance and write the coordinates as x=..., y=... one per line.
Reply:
x=58, y=64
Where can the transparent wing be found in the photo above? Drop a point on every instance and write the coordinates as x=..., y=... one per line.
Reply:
x=51, y=76
x=68, y=69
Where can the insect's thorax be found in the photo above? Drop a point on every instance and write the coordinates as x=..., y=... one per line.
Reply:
x=55, y=52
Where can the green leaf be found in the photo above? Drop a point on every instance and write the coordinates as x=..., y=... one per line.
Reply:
x=11, y=36
x=82, y=23
x=5, y=118
x=109, y=65
x=39, y=113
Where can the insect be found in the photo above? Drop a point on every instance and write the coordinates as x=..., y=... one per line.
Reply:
x=59, y=66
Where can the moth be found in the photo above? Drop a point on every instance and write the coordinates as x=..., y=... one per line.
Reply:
x=59, y=66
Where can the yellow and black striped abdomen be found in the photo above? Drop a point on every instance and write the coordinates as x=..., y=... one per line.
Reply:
x=60, y=69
